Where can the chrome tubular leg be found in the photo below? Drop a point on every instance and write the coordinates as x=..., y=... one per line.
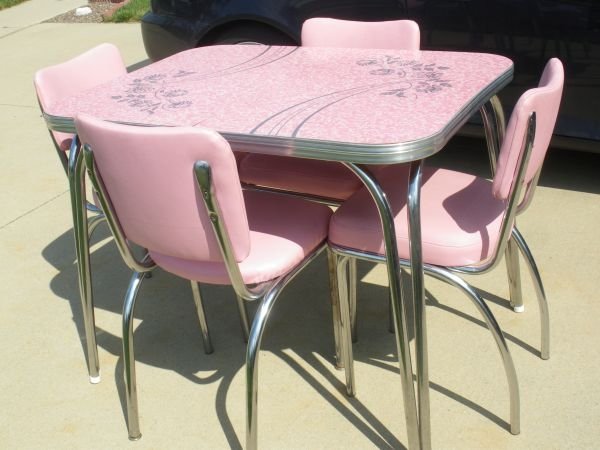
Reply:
x=208, y=348
x=539, y=290
x=93, y=223
x=243, y=313
x=332, y=262
x=494, y=125
x=492, y=116
x=418, y=289
x=399, y=307
x=252, y=352
x=390, y=315
x=82, y=251
x=511, y=256
x=133, y=420
x=490, y=320
x=346, y=323
x=352, y=287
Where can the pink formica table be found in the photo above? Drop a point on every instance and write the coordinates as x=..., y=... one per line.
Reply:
x=356, y=106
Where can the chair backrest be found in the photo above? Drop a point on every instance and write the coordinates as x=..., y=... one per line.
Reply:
x=148, y=175
x=393, y=34
x=92, y=68
x=544, y=101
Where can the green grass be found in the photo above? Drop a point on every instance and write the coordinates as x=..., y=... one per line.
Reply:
x=131, y=12
x=9, y=3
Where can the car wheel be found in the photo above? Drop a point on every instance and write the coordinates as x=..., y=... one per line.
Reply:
x=247, y=33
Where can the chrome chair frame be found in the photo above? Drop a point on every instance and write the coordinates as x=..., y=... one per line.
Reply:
x=495, y=126
x=265, y=293
x=342, y=255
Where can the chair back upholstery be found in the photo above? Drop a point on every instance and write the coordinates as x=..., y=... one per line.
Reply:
x=393, y=34
x=92, y=68
x=544, y=101
x=148, y=176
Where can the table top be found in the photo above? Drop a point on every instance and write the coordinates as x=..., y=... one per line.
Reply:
x=354, y=105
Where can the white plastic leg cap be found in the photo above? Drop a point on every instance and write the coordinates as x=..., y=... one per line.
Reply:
x=519, y=309
x=95, y=380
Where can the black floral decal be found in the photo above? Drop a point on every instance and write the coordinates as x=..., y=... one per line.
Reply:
x=421, y=78
x=152, y=92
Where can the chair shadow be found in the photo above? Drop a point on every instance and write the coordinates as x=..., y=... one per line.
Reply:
x=382, y=351
x=563, y=168
x=166, y=299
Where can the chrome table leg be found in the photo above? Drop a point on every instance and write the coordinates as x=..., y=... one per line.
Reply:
x=398, y=306
x=418, y=290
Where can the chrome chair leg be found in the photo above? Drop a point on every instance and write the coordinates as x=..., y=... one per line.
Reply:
x=208, y=348
x=390, y=315
x=352, y=278
x=332, y=263
x=490, y=320
x=511, y=256
x=345, y=323
x=244, y=321
x=93, y=223
x=252, y=352
x=540, y=293
x=133, y=420
x=254, y=340
x=80, y=231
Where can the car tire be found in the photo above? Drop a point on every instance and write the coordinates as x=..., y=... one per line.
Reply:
x=247, y=33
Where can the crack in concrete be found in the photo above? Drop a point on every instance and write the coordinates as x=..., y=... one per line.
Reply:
x=33, y=209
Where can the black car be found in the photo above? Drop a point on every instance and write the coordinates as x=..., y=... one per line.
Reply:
x=527, y=31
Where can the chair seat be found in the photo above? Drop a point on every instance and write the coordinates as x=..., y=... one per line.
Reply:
x=283, y=231
x=63, y=140
x=320, y=178
x=460, y=218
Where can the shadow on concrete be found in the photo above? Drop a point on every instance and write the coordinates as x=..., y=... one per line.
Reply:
x=563, y=169
x=168, y=335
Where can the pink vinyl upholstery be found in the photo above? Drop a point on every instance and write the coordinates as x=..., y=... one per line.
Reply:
x=283, y=231
x=320, y=178
x=92, y=68
x=328, y=179
x=148, y=174
x=393, y=34
x=461, y=214
x=545, y=101
x=454, y=231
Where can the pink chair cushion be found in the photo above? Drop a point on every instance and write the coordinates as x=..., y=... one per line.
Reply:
x=321, y=178
x=63, y=140
x=460, y=218
x=393, y=34
x=92, y=68
x=544, y=101
x=282, y=232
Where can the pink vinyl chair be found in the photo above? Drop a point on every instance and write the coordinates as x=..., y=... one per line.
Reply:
x=467, y=221
x=176, y=192
x=92, y=68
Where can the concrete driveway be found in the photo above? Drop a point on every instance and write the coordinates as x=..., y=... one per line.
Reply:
x=192, y=400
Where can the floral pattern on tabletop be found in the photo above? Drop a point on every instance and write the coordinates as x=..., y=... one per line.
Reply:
x=155, y=91
x=425, y=78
